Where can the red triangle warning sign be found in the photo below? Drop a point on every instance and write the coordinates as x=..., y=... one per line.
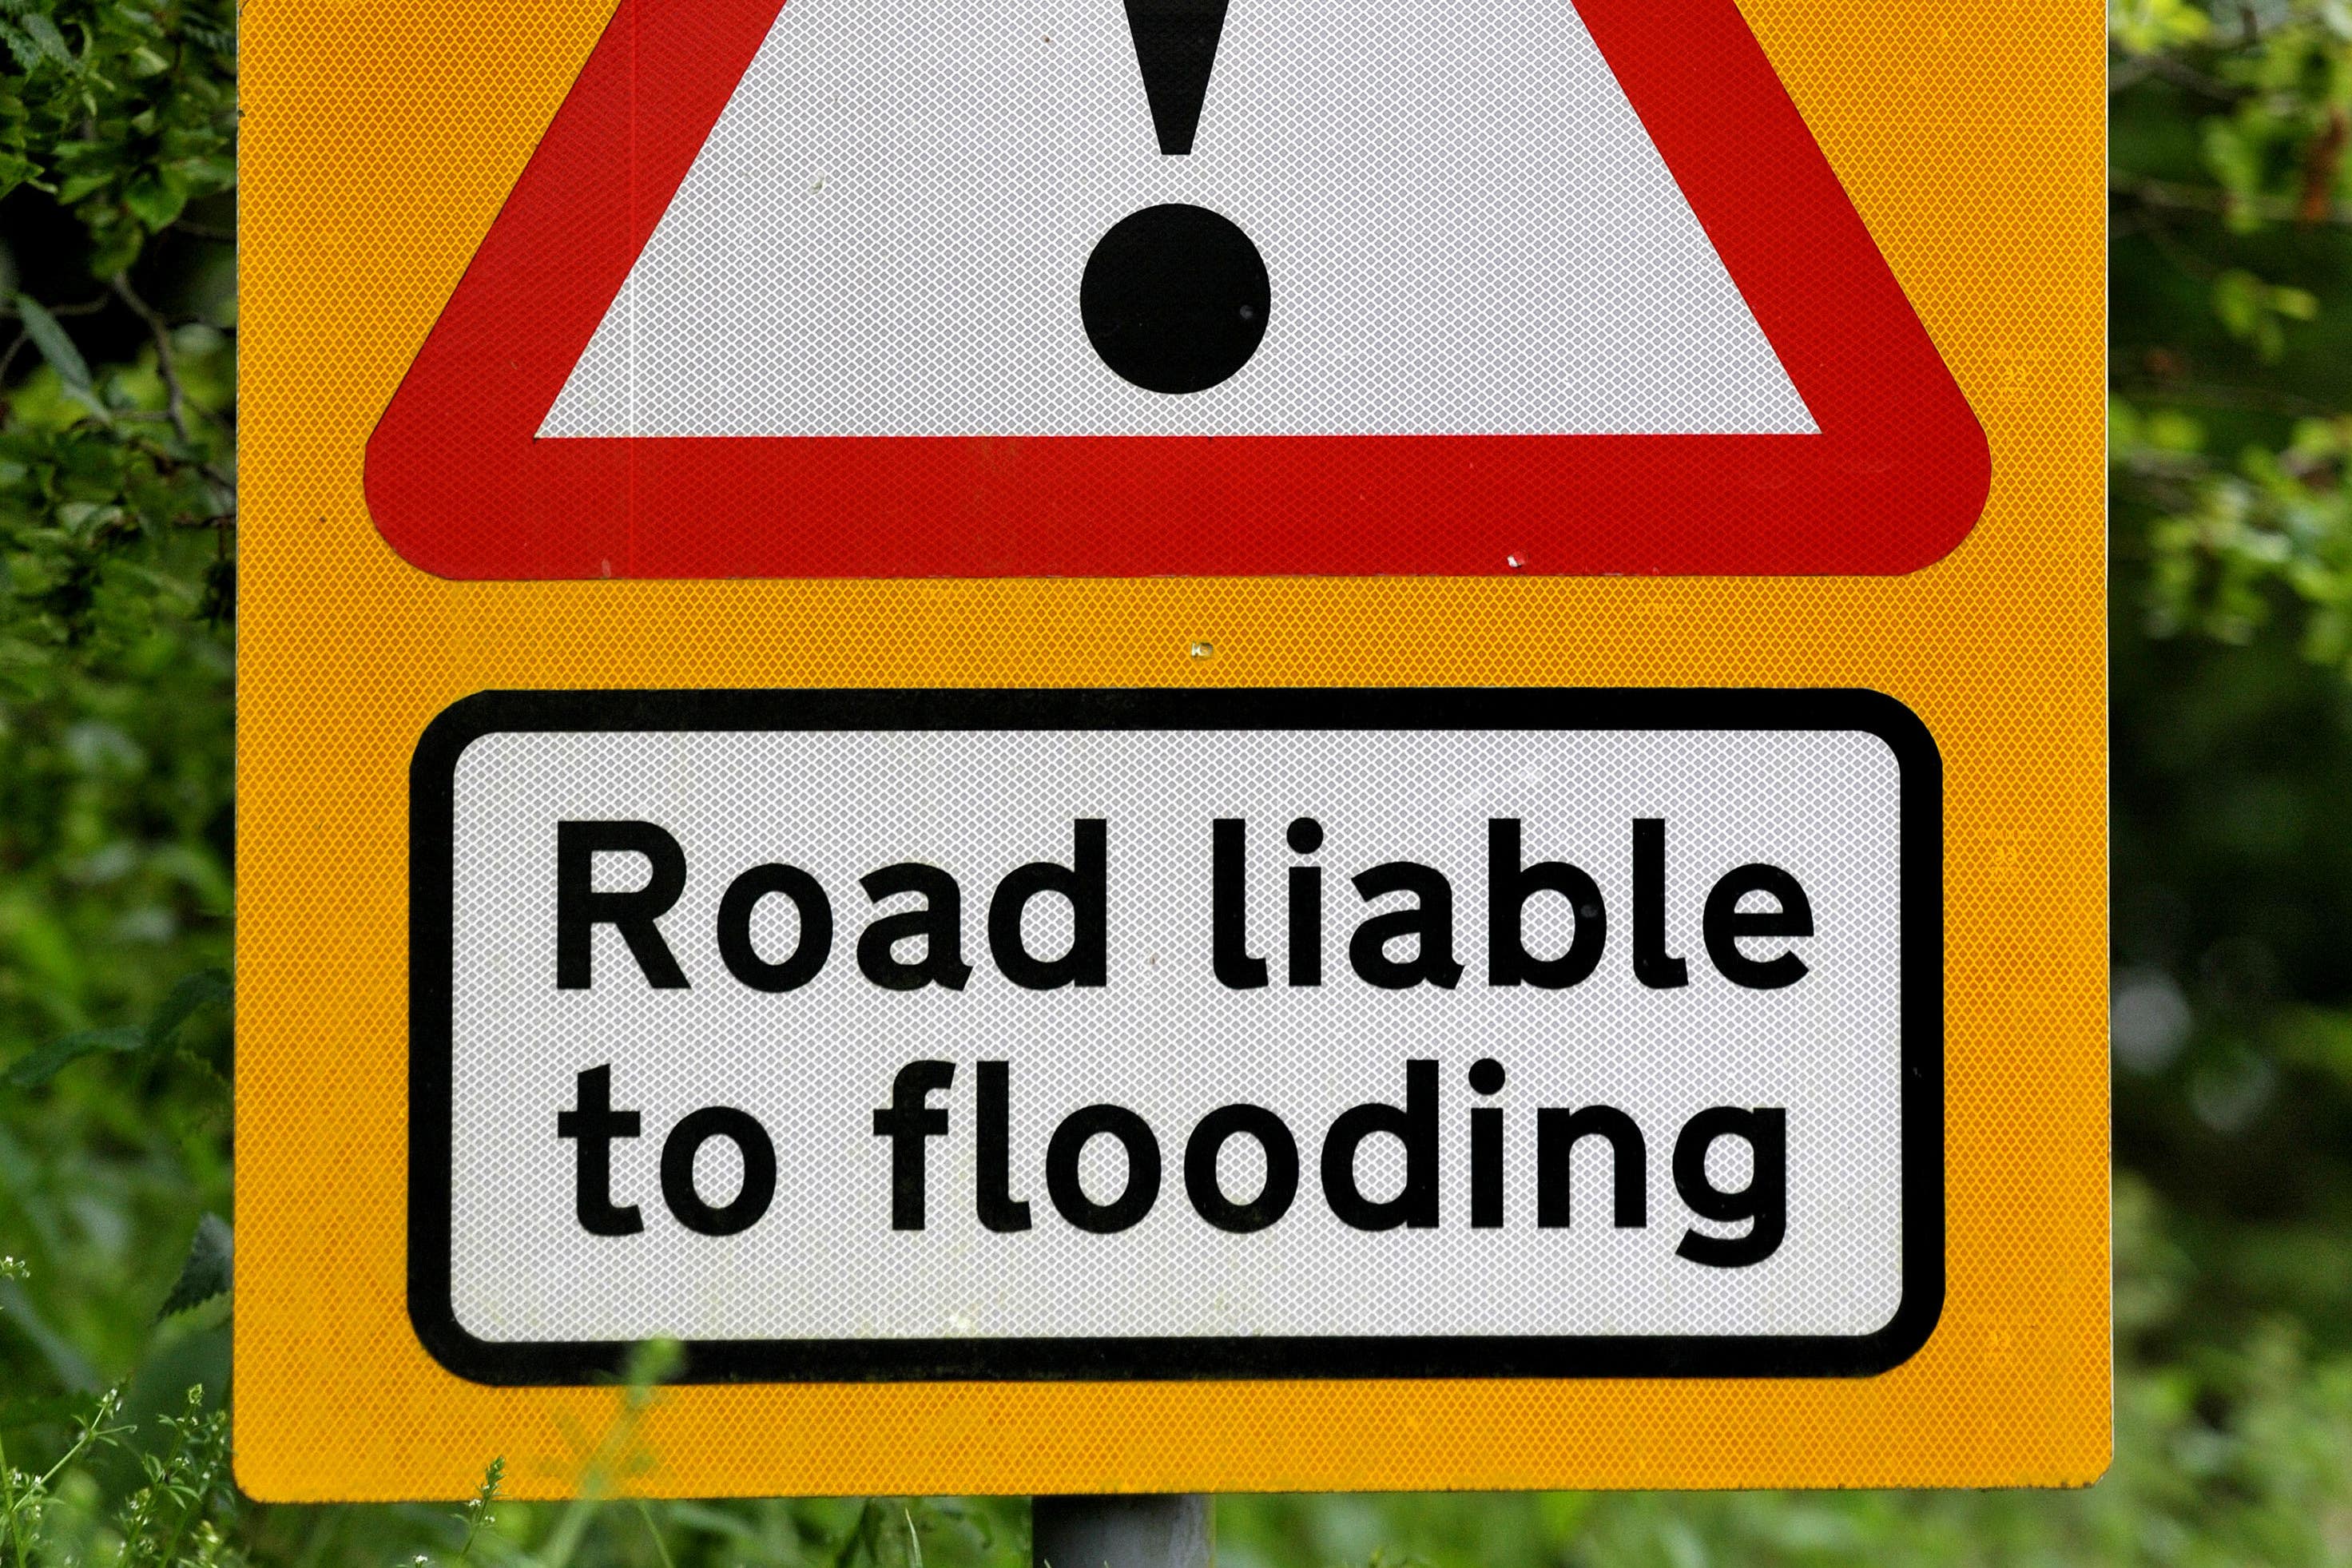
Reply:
x=829, y=288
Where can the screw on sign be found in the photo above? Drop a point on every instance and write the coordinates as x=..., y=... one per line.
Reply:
x=928, y=289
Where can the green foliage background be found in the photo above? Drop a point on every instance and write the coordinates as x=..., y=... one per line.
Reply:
x=2231, y=610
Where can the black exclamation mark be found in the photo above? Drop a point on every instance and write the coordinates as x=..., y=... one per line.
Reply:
x=1174, y=296
x=1176, y=49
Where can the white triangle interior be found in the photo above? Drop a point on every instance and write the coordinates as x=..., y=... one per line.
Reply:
x=1467, y=229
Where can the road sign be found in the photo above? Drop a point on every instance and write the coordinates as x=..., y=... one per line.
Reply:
x=923, y=289
x=1171, y=747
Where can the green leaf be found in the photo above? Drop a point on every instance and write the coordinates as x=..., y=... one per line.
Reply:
x=117, y=248
x=156, y=198
x=26, y=53
x=45, y=37
x=209, y=1270
x=33, y=40
x=194, y=992
x=2146, y=26
x=40, y=1066
x=55, y=346
x=82, y=183
x=205, y=987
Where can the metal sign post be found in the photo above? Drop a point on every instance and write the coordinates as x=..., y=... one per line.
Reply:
x=1135, y=1530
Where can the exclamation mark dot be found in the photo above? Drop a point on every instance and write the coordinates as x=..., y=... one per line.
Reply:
x=1174, y=296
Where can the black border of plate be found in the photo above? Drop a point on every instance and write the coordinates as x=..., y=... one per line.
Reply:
x=432, y=873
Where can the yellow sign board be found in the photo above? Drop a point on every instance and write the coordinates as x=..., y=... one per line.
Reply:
x=1118, y=759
